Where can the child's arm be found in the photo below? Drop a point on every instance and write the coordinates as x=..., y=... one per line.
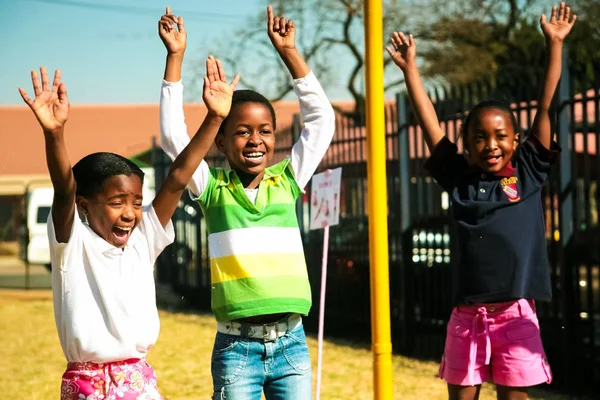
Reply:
x=319, y=118
x=405, y=56
x=217, y=95
x=173, y=130
x=51, y=108
x=555, y=31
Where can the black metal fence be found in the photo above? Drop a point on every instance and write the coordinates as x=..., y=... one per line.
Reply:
x=420, y=234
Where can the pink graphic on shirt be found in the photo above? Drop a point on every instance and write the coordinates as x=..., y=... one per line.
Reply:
x=123, y=380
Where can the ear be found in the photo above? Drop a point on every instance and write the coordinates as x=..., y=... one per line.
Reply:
x=516, y=142
x=220, y=142
x=82, y=206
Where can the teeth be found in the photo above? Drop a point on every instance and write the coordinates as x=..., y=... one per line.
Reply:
x=124, y=229
x=253, y=154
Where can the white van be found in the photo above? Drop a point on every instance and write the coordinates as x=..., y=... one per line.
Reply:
x=33, y=234
x=39, y=202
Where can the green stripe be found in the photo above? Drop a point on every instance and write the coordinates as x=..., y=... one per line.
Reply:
x=262, y=307
x=264, y=289
x=224, y=218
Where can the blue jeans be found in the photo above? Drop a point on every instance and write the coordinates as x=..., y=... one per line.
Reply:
x=243, y=367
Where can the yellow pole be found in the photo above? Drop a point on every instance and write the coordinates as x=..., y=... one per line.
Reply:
x=377, y=204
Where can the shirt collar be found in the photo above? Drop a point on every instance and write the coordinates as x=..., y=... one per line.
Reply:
x=225, y=178
x=507, y=171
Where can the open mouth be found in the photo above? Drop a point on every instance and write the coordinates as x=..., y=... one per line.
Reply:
x=121, y=234
x=254, y=158
x=492, y=160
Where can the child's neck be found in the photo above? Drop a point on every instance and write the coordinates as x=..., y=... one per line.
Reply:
x=250, y=181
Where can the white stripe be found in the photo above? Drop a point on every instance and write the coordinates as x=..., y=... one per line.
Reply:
x=255, y=241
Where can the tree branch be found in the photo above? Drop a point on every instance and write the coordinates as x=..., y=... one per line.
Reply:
x=393, y=83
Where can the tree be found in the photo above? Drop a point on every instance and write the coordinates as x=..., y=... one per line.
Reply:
x=460, y=41
x=331, y=39
x=501, y=40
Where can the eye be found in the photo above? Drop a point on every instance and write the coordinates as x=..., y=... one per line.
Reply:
x=116, y=204
x=137, y=204
x=265, y=132
x=241, y=133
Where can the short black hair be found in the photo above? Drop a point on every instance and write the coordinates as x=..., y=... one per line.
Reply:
x=92, y=170
x=249, y=96
x=486, y=105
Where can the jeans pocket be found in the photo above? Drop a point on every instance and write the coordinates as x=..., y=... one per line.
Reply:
x=295, y=350
x=229, y=358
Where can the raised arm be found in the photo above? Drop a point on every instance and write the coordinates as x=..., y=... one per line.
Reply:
x=404, y=55
x=319, y=118
x=173, y=130
x=217, y=95
x=51, y=108
x=555, y=31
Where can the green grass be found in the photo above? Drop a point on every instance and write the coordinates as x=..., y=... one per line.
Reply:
x=32, y=361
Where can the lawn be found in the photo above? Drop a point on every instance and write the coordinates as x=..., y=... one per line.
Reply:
x=32, y=362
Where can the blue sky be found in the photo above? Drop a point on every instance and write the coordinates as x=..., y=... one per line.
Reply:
x=108, y=50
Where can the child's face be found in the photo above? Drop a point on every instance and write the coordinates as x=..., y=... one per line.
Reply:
x=116, y=210
x=248, y=138
x=491, y=140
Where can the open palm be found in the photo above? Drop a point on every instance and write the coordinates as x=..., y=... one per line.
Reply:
x=218, y=93
x=405, y=49
x=51, y=105
x=560, y=24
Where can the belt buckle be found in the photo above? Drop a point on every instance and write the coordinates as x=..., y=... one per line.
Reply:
x=266, y=337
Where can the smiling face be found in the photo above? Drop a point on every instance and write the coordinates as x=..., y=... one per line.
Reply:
x=491, y=139
x=248, y=140
x=115, y=210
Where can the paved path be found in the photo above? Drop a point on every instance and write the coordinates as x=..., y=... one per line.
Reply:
x=13, y=274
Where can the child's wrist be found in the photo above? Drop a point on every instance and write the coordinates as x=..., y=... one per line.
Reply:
x=55, y=132
x=288, y=53
x=176, y=55
x=215, y=118
x=554, y=41
x=410, y=67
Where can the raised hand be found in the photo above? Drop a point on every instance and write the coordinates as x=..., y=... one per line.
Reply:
x=405, y=53
x=51, y=105
x=560, y=24
x=281, y=33
x=174, y=39
x=218, y=93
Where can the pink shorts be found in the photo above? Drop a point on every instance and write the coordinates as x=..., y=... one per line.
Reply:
x=124, y=380
x=498, y=342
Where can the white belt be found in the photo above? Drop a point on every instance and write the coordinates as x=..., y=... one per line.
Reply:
x=267, y=332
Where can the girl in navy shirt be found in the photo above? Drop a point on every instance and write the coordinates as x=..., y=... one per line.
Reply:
x=502, y=266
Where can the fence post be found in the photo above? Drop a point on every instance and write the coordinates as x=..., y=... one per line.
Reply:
x=405, y=313
x=566, y=188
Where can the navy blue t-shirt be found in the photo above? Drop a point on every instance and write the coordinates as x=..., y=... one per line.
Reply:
x=500, y=251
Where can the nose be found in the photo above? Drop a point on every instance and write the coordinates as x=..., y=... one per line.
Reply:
x=255, y=138
x=128, y=214
x=491, y=143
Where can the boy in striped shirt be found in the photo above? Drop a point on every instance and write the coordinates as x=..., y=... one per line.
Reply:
x=260, y=286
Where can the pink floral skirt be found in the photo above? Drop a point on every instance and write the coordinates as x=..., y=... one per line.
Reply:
x=131, y=379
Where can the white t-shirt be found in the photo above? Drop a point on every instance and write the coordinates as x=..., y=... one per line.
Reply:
x=104, y=297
